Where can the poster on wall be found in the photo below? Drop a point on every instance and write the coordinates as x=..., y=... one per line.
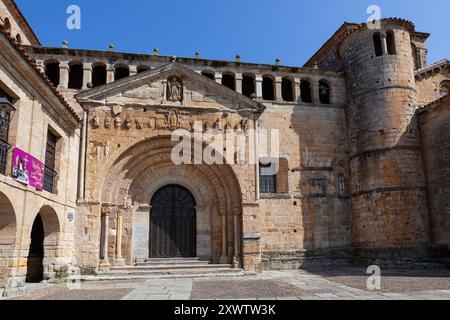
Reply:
x=27, y=169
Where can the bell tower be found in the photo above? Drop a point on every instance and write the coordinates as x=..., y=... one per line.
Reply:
x=387, y=173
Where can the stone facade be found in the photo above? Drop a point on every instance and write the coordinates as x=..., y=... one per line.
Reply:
x=361, y=177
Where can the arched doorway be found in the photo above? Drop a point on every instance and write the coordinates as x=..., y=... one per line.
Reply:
x=43, y=250
x=7, y=236
x=35, y=267
x=173, y=223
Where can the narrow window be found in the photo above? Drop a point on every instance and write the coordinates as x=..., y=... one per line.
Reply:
x=287, y=90
x=305, y=91
x=98, y=75
x=209, y=75
x=228, y=81
x=121, y=72
x=268, y=89
x=248, y=86
x=76, y=76
x=342, y=189
x=267, y=180
x=50, y=161
x=52, y=72
x=324, y=92
x=5, y=118
x=390, y=40
x=377, y=44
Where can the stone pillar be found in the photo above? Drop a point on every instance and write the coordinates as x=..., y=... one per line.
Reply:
x=238, y=78
x=133, y=70
x=218, y=77
x=224, y=255
x=104, y=263
x=110, y=73
x=384, y=44
x=297, y=92
x=63, y=75
x=237, y=242
x=119, y=261
x=278, y=89
x=87, y=74
x=81, y=176
x=315, y=92
x=258, y=83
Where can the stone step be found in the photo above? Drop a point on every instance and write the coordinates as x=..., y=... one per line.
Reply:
x=171, y=262
x=163, y=260
x=111, y=277
x=164, y=267
x=191, y=272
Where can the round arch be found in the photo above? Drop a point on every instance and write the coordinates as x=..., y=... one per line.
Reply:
x=8, y=234
x=140, y=171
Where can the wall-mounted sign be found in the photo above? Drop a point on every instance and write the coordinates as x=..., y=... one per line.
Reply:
x=27, y=169
x=70, y=216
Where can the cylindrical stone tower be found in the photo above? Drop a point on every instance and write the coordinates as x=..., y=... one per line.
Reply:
x=387, y=172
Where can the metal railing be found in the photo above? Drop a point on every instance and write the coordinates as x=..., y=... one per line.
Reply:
x=4, y=148
x=49, y=179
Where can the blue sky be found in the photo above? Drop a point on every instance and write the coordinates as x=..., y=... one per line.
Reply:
x=259, y=30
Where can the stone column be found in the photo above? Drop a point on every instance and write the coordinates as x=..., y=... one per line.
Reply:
x=40, y=65
x=133, y=70
x=119, y=261
x=110, y=73
x=236, y=254
x=218, y=77
x=87, y=74
x=63, y=75
x=258, y=83
x=384, y=44
x=315, y=92
x=278, y=89
x=224, y=255
x=238, y=78
x=104, y=263
x=297, y=93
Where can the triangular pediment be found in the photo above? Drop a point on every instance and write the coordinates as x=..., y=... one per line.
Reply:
x=172, y=85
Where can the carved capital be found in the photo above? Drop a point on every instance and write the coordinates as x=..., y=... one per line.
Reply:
x=237, y=211
x=106, y=211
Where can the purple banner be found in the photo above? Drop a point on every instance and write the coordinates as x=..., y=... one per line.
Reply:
x=27, y=169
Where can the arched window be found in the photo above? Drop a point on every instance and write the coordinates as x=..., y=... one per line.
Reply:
x=208, y=74
x=18, y=39
x=416, y=56
x=305, y=91
x=52, y=72
x=287, y=89
x=377, y=44
x=248, y=85
x=99, y=75
x=390, y=40
x=324, y=92
x=229, y=81
x=76, y=76
x=121, y=72
x=268, y=88
x=445, y=88
x=141, y=69
x=341, y=186
x=7, y=25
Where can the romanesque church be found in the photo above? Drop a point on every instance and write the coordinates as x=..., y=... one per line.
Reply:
x=88, y=185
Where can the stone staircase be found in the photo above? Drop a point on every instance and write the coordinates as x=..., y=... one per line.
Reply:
x=166, y=268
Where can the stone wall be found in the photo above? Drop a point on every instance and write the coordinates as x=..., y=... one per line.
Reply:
x=435, y=134
x=388, y=180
